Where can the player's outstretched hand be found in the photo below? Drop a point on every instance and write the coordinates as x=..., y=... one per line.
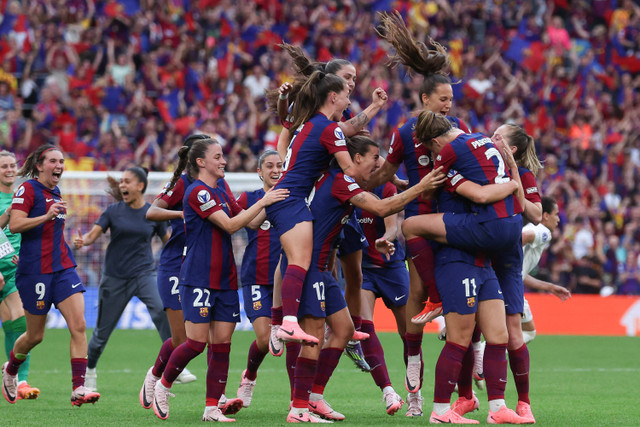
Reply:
x=272, y=196
x=561, y=292
x=385, y=247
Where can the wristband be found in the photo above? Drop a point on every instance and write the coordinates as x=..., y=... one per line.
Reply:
x=283, y=97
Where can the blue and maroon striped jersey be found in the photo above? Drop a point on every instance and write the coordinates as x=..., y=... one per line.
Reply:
x=329, y=203
x=208, y=261
x=529, y=184
x=171, y=255
x=449, y=201
x=262, y=253
x=43, y=249
x=475, y=157
x=309, y=154
x=373, y=227
x=417, y=160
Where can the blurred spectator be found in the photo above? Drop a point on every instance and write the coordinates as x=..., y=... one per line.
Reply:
x=90, y=75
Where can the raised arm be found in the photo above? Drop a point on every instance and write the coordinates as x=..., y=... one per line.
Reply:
x=356, y=124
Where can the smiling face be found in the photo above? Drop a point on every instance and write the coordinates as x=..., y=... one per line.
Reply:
x=51, y=169
x=130, y=187
x=440, y=99
x=270, y=170
x=348, y=73
x=213, y=162
x=8, y=169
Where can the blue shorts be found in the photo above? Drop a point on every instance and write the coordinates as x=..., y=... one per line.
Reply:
x=321, y=295
x=39, y=291
x=258, y=300
x=168, y=281
x=462, y=286
x=351, y=238
x=508, y=267
x=287, y=213
x=204, y=305
x=391, y=283
x=464, y=232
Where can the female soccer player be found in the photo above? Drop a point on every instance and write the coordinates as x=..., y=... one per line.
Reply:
x=436, y=95
x=350, y=256
x=208, y=279
x=331, y=203
x=46, y=271
x=318, y=106
x=384, y=277
x=168, y=207
x=129, y=268
x=261, y=257
x=478, y=229
x=14, y=323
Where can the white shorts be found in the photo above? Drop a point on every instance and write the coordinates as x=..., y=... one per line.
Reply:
x=527, y=316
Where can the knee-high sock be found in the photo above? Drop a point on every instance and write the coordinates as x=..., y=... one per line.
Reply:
x=423, y=259
x=19, y=327
x=217, y=372
x=519, y=362
x=495, y=370
x=448, y=371
x=357, y=322
x=414, y=348
x=15, y=360
x=304, y=375
x=163, y=357
x=374, y=355
x=476, y=335
x=276, y=315
x=405, y=349
x=78, y=371
x=254, y=360
x=293, y=351
x=7, y=327
x=180, y=357
x=465, y=388
x=327, y=362
x=292, y=289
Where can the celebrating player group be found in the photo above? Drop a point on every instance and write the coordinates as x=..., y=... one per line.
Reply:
x=327, y=194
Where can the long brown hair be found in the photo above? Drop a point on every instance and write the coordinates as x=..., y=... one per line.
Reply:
x=29, y=169
x=432, y=64
x=312, y=96
x=431, y=125
x=525, y=154
x=183, y=160
x=303, y=67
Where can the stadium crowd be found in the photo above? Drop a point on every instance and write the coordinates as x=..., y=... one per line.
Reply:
x=121, y=83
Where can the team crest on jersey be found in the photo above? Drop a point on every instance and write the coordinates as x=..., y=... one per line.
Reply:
x=20, y=191
x=204, y=311
x=204, y=196
x=265, y=225
x=257, y=305
x=40, y=305
x=471, y=301
x=424, y=160
x=322, y=305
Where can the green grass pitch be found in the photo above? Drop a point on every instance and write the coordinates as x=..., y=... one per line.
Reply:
x=575, y=381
